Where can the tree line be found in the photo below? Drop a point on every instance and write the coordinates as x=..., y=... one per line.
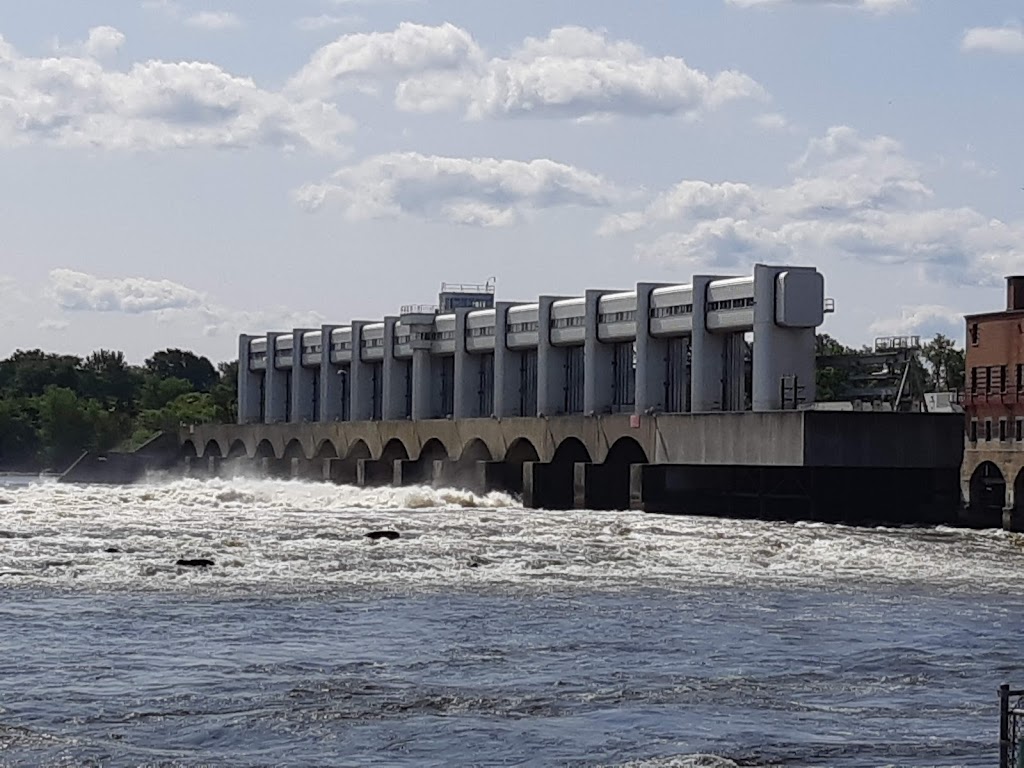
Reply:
x=53, y=407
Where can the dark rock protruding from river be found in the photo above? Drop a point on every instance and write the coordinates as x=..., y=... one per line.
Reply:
x=389, y=535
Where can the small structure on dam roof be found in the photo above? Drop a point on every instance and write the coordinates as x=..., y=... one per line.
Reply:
x=696, y=398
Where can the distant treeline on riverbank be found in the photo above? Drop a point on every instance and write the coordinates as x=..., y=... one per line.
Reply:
x=53, y=407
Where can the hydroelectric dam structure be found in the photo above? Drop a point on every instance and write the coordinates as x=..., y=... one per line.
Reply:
x=696, y=398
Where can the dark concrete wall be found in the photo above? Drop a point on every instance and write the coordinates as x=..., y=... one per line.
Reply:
x=869, y=439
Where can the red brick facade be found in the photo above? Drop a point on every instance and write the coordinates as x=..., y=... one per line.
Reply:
x=994, y=387
x=993, y=400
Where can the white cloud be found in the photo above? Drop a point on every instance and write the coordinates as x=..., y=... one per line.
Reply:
x=213, y=20
x=52, y=324
x=103, y=41
x=850, y=197
x=166, y=301
x=326, y=21
x=772, y=121
x=572, y=73
x=75, y=101
x=993, y=40
x=872, y=6
x=473, y=191
x=921, y=319
x=81, y=292
x=411, y=48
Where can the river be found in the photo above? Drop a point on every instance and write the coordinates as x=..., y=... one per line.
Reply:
x=487, y=634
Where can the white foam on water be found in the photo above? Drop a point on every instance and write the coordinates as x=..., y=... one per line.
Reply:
x=289, y=536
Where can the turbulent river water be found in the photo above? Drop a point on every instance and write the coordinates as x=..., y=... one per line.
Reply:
x=487, y=634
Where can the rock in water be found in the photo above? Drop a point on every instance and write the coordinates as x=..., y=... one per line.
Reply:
x=112, y=550
x=389, y=535
x=199, y=562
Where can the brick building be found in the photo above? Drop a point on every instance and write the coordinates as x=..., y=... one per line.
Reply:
x=992, y=476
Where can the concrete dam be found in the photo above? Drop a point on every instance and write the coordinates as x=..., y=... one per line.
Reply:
x=695, y=398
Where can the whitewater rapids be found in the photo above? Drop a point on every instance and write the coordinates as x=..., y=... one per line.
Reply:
x=290, y=537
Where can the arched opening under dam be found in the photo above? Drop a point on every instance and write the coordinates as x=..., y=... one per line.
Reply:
x=607, y=484
x=466, y=471
x=519, y=452
x=988, y=492
x=326, y=450
x=554, y=485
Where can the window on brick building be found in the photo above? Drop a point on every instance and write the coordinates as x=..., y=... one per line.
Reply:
x=1002, y=378
x=988, y=430
x=1019, y=430
x=974, y=381
x=974, y=430
x=988, y=380
x=974, y=333
x=1002, y=430
x=1020, y=377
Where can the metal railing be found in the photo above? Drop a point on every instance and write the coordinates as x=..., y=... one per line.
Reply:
x=894, y=343
x=487, y=287
x=419, y=309
x=1011, y=727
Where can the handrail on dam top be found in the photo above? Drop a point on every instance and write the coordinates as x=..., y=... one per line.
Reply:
x=419, y=309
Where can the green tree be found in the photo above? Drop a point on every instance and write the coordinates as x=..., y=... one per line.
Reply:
x=29, y=373
x=179, y=364
x=225, y=393
x=107, y=377
x=189, y=408
x=66, y=425
x=157, y=392
x=944, y=363
x=826, y=346
x=19, y=439
x=831, y=379
x=54, y=407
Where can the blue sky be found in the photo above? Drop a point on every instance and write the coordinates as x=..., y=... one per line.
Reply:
x=173, y=173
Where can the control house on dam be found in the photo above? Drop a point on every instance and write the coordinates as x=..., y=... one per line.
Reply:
x=697, y=398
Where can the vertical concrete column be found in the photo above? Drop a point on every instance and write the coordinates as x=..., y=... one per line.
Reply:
x=735, y=369
x=276, y=389
x=393, y=388
x=550, y=363
x=579, y=484
x=248, y=385
x=360, y=378
x=780, y=351
x=302, y=381
x=506, y=364
x=651, y=356
x=707, y=353
x=422, y=384
x=636, y=487
x=331, y=406
x=467, y=373
x=598, y=360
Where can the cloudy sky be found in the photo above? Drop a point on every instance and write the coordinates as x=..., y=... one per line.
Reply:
x=173, y=172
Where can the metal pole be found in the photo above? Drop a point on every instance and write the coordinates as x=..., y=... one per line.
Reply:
x=1004, y=726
